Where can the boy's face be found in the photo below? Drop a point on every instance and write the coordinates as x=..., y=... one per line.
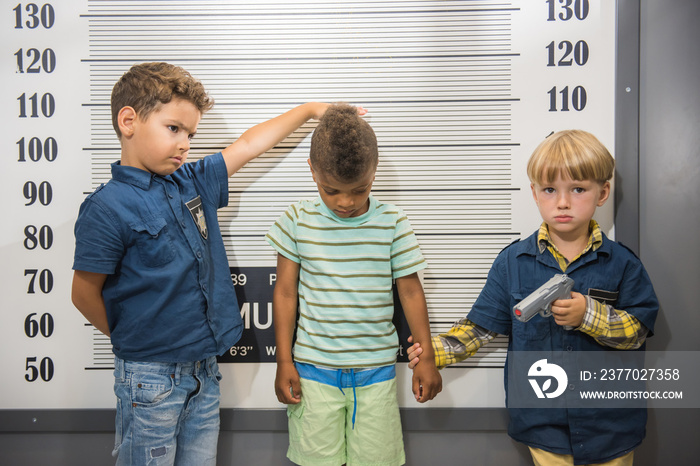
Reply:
x=159, y=144
x=344, y=199
x=567, y=205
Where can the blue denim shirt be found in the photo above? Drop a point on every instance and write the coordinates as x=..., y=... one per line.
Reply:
x=168, y=293
x=590, y=435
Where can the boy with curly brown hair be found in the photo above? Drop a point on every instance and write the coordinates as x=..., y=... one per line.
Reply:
x=151, y=270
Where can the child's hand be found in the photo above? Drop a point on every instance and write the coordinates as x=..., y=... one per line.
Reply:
x=287, y=385
x=427, y=382
x=319, y=109
x=413, y=352
x=569, y=311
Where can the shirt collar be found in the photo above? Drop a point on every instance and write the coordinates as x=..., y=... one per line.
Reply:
x=595, y=240
x=323, y=208
x=132, y=175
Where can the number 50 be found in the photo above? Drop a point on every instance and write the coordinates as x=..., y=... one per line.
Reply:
x=45, y=370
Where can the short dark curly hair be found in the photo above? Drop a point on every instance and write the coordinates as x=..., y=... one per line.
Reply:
x=344, y=144
x=146, y=86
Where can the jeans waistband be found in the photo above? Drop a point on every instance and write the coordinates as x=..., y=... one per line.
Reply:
x=176, y=369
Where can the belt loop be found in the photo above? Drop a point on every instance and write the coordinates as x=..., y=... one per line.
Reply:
x=119, y=371
x=211, y=362
x=178, y=370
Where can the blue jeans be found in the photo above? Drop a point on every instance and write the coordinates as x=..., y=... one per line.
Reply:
x=167, y=413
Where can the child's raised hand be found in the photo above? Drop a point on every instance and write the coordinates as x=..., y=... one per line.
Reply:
x=318, y=109
x=569, y=311
x=287, y=385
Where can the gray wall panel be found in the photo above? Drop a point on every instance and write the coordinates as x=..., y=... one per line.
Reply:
x=670, y=201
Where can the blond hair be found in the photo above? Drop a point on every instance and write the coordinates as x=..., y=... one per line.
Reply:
x=147, y=86
x=575, y=154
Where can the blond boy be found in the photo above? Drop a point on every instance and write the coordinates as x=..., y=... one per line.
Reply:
x=612, y=307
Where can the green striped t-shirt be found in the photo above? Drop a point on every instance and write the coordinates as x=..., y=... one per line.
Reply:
x=347, y=266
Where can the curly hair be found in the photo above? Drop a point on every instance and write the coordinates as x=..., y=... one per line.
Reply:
x=575, y=153
x=343, y=144
x=146, y=86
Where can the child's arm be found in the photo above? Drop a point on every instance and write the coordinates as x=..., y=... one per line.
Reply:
x=285, y=301
x=427, y=382
x=86, y=295
x=610, y=327
x=264, y=136
x=461, y=341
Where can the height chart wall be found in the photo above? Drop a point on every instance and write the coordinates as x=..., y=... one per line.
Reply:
x=459, y=94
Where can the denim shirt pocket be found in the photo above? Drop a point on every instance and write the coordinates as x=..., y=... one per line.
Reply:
x=535, y=329
x=153, y=241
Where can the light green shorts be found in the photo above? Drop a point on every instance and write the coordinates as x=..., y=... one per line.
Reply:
x=321, y=430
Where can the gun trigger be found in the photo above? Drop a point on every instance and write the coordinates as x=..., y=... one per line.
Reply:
x=547, y=311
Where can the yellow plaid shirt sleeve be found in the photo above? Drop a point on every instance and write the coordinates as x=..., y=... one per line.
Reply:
x=612, y=327
x=459, y=343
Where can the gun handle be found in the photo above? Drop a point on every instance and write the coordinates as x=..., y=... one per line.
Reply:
x=549, y=309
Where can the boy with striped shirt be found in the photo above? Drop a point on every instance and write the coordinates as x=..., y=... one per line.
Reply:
x=337, y=258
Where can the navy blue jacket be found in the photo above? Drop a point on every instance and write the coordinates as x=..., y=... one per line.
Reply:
x=590, y=435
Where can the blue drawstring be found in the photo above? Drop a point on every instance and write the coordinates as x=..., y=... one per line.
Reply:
x=354, y=398
x=354, y=393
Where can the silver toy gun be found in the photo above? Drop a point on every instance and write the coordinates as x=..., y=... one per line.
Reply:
x=540, y=300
